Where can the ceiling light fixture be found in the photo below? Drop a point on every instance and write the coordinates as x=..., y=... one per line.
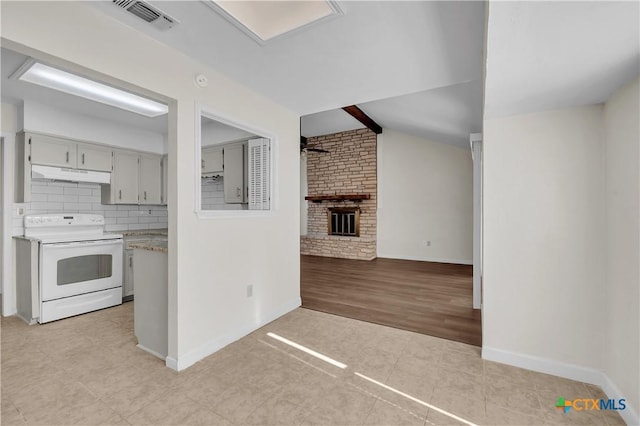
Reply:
x=266, y=20
x=53, y=78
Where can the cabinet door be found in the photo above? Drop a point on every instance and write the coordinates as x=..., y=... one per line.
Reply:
x=150, y=179
x=211, y=159
x=94, y=157
x=127, y=282
x=124, y=180
x=51, y=151
x=233, y=174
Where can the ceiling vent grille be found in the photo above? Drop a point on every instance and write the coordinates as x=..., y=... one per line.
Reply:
x=148, y=13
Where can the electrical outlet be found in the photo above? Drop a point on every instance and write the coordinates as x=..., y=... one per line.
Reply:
x=426, y=243
x=250, y=290
x=429, y=243
x=20, y=211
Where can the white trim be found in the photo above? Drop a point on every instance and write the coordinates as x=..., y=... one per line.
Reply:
x=476, y=150
x=214, y=114
x=151, y=351
x=9, y=306
x=427, y=259
x=568, y=371
x=203, y=351
x=629, y=414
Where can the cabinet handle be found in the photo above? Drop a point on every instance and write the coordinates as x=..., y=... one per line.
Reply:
x=145, y=195
x=202, y=164
x=120, y=193
x=67, y=156
x=83, y=158
x=131, y=262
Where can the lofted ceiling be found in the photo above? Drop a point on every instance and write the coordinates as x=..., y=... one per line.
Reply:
x=397, y=60
x=552, y=55
x=413, y=66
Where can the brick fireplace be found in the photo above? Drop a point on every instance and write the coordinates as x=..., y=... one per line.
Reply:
x=343, y=184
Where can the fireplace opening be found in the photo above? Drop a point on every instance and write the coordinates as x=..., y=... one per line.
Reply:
x=344, y=221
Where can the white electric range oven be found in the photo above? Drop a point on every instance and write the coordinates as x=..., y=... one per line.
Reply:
x=79, y=265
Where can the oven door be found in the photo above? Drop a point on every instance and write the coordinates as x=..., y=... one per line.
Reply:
x=69, y=269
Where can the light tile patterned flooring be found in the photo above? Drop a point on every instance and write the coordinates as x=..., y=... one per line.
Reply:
x=86, y=370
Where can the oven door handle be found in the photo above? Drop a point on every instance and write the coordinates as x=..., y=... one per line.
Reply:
x=85, y=243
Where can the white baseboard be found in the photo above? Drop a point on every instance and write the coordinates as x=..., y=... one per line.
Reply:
x=427, y=259
x=568, y=371
x=215, y=345
x=152, y=352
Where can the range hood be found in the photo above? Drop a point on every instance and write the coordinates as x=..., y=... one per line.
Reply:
x=69, y=175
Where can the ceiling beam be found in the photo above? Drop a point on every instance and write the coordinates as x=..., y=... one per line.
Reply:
x=360, y=115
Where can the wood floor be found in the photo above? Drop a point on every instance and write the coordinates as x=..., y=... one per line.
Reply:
x=425, y=297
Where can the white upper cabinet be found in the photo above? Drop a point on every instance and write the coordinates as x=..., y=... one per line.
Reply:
x=150, y=179
x=94, y=157
x=212, y=159
x=124, y=180
x=52, y=151
x=136, y=179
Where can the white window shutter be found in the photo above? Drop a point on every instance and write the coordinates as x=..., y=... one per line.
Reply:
x=259, y=174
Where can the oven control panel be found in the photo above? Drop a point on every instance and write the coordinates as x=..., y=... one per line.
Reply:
x=62, y=220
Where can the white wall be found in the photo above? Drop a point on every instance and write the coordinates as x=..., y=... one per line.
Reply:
x=214, y=133
x=208, y=306
x=8, y=125
x=425, y=193
x=43, y=118
x=622, y=294
x=543, y=284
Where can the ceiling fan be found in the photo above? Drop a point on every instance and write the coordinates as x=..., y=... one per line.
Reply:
x=305, y=148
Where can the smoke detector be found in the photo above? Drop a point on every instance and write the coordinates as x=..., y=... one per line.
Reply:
x=148, y=13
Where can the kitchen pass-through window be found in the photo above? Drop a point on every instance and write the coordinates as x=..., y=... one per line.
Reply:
x=234, y=165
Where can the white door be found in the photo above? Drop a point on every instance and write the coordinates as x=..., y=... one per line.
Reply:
x=70, y=269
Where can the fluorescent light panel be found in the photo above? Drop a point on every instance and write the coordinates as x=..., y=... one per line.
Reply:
x=53, y=78
x=266, y=20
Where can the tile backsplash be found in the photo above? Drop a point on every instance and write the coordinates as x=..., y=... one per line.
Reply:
x=69, y=197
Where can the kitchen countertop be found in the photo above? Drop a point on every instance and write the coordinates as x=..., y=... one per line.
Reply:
x=153, y=245
x=144, y=232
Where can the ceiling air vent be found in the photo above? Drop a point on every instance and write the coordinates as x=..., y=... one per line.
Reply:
x=148, y=13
